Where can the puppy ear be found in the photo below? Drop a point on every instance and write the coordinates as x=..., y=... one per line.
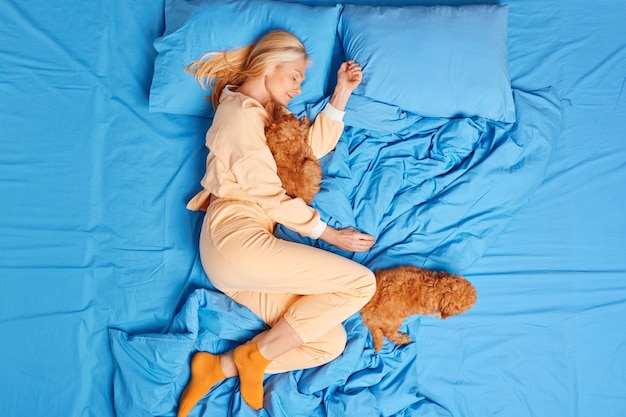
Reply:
x=446, y=308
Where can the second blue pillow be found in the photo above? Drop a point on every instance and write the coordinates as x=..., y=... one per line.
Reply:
x=438, y=61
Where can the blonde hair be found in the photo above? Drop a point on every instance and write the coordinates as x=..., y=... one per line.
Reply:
x=216, y=70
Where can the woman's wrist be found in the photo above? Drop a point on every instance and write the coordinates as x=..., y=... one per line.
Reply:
x=327, y=234
x=340, y=97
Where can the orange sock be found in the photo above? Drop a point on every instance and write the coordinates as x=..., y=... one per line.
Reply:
x=251, y=366
x=206, y=371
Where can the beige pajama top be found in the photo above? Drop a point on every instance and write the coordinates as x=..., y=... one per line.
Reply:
x=240, y=165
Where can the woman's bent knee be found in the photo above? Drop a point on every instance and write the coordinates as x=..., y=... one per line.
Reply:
x=368, y=288
x=315, y=353
x=336, y=340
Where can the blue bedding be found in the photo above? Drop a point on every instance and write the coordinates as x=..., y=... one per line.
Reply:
x=433, y=192
x=103, y=298
x=436, y=194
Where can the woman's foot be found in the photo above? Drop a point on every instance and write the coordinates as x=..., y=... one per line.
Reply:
x=251, y=365
x=206, y=371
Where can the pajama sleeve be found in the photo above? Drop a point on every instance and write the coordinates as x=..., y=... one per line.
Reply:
x=256, y=174
x=326, y=130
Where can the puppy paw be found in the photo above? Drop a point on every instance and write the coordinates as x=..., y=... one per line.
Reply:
x=399, y=338
x=377, y=338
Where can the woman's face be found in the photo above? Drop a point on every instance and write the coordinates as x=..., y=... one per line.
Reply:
x=283, y=81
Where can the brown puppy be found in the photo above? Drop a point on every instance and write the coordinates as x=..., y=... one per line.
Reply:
x=406, y=290
x=298, y=169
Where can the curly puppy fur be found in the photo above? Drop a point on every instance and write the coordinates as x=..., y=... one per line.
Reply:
x=406, y=290
x=298, y=168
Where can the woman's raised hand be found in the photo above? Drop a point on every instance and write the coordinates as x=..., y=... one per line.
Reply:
x=349, y=76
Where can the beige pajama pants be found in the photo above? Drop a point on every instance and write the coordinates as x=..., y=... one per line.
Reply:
x=313, y=289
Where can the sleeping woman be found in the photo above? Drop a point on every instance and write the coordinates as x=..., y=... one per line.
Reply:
x=303, y=293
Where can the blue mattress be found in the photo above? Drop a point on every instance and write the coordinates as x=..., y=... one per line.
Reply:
x=103, y=298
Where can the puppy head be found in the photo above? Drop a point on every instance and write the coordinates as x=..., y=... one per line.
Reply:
x=457, y=294
x=286, y=128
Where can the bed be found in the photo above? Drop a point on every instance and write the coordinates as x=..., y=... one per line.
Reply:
x=513, y=177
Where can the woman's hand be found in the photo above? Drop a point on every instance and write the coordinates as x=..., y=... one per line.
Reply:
x=347, y=239
x=349, y=76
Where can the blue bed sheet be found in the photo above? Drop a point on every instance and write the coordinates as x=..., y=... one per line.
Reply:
x=433, y=192
x=436, y=193
x=103, y=298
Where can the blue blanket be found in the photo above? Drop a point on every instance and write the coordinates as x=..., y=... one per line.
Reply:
x=434, y=192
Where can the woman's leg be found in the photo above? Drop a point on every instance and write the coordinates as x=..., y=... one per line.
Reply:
x=250, y=259
x=271, y=307
x=311, y=354
x=239, y=255
x=330, y=287
x=208, y=369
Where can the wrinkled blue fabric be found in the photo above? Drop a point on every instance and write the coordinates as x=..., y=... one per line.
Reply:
x=151, y=370
x=434, y=193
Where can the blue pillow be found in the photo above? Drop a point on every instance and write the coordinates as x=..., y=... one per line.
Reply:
x=438, y=61
x=193, y=28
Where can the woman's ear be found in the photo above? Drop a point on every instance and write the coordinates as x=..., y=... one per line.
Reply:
x=269, y=70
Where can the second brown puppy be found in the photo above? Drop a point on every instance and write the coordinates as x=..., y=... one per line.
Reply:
x=406, y=290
